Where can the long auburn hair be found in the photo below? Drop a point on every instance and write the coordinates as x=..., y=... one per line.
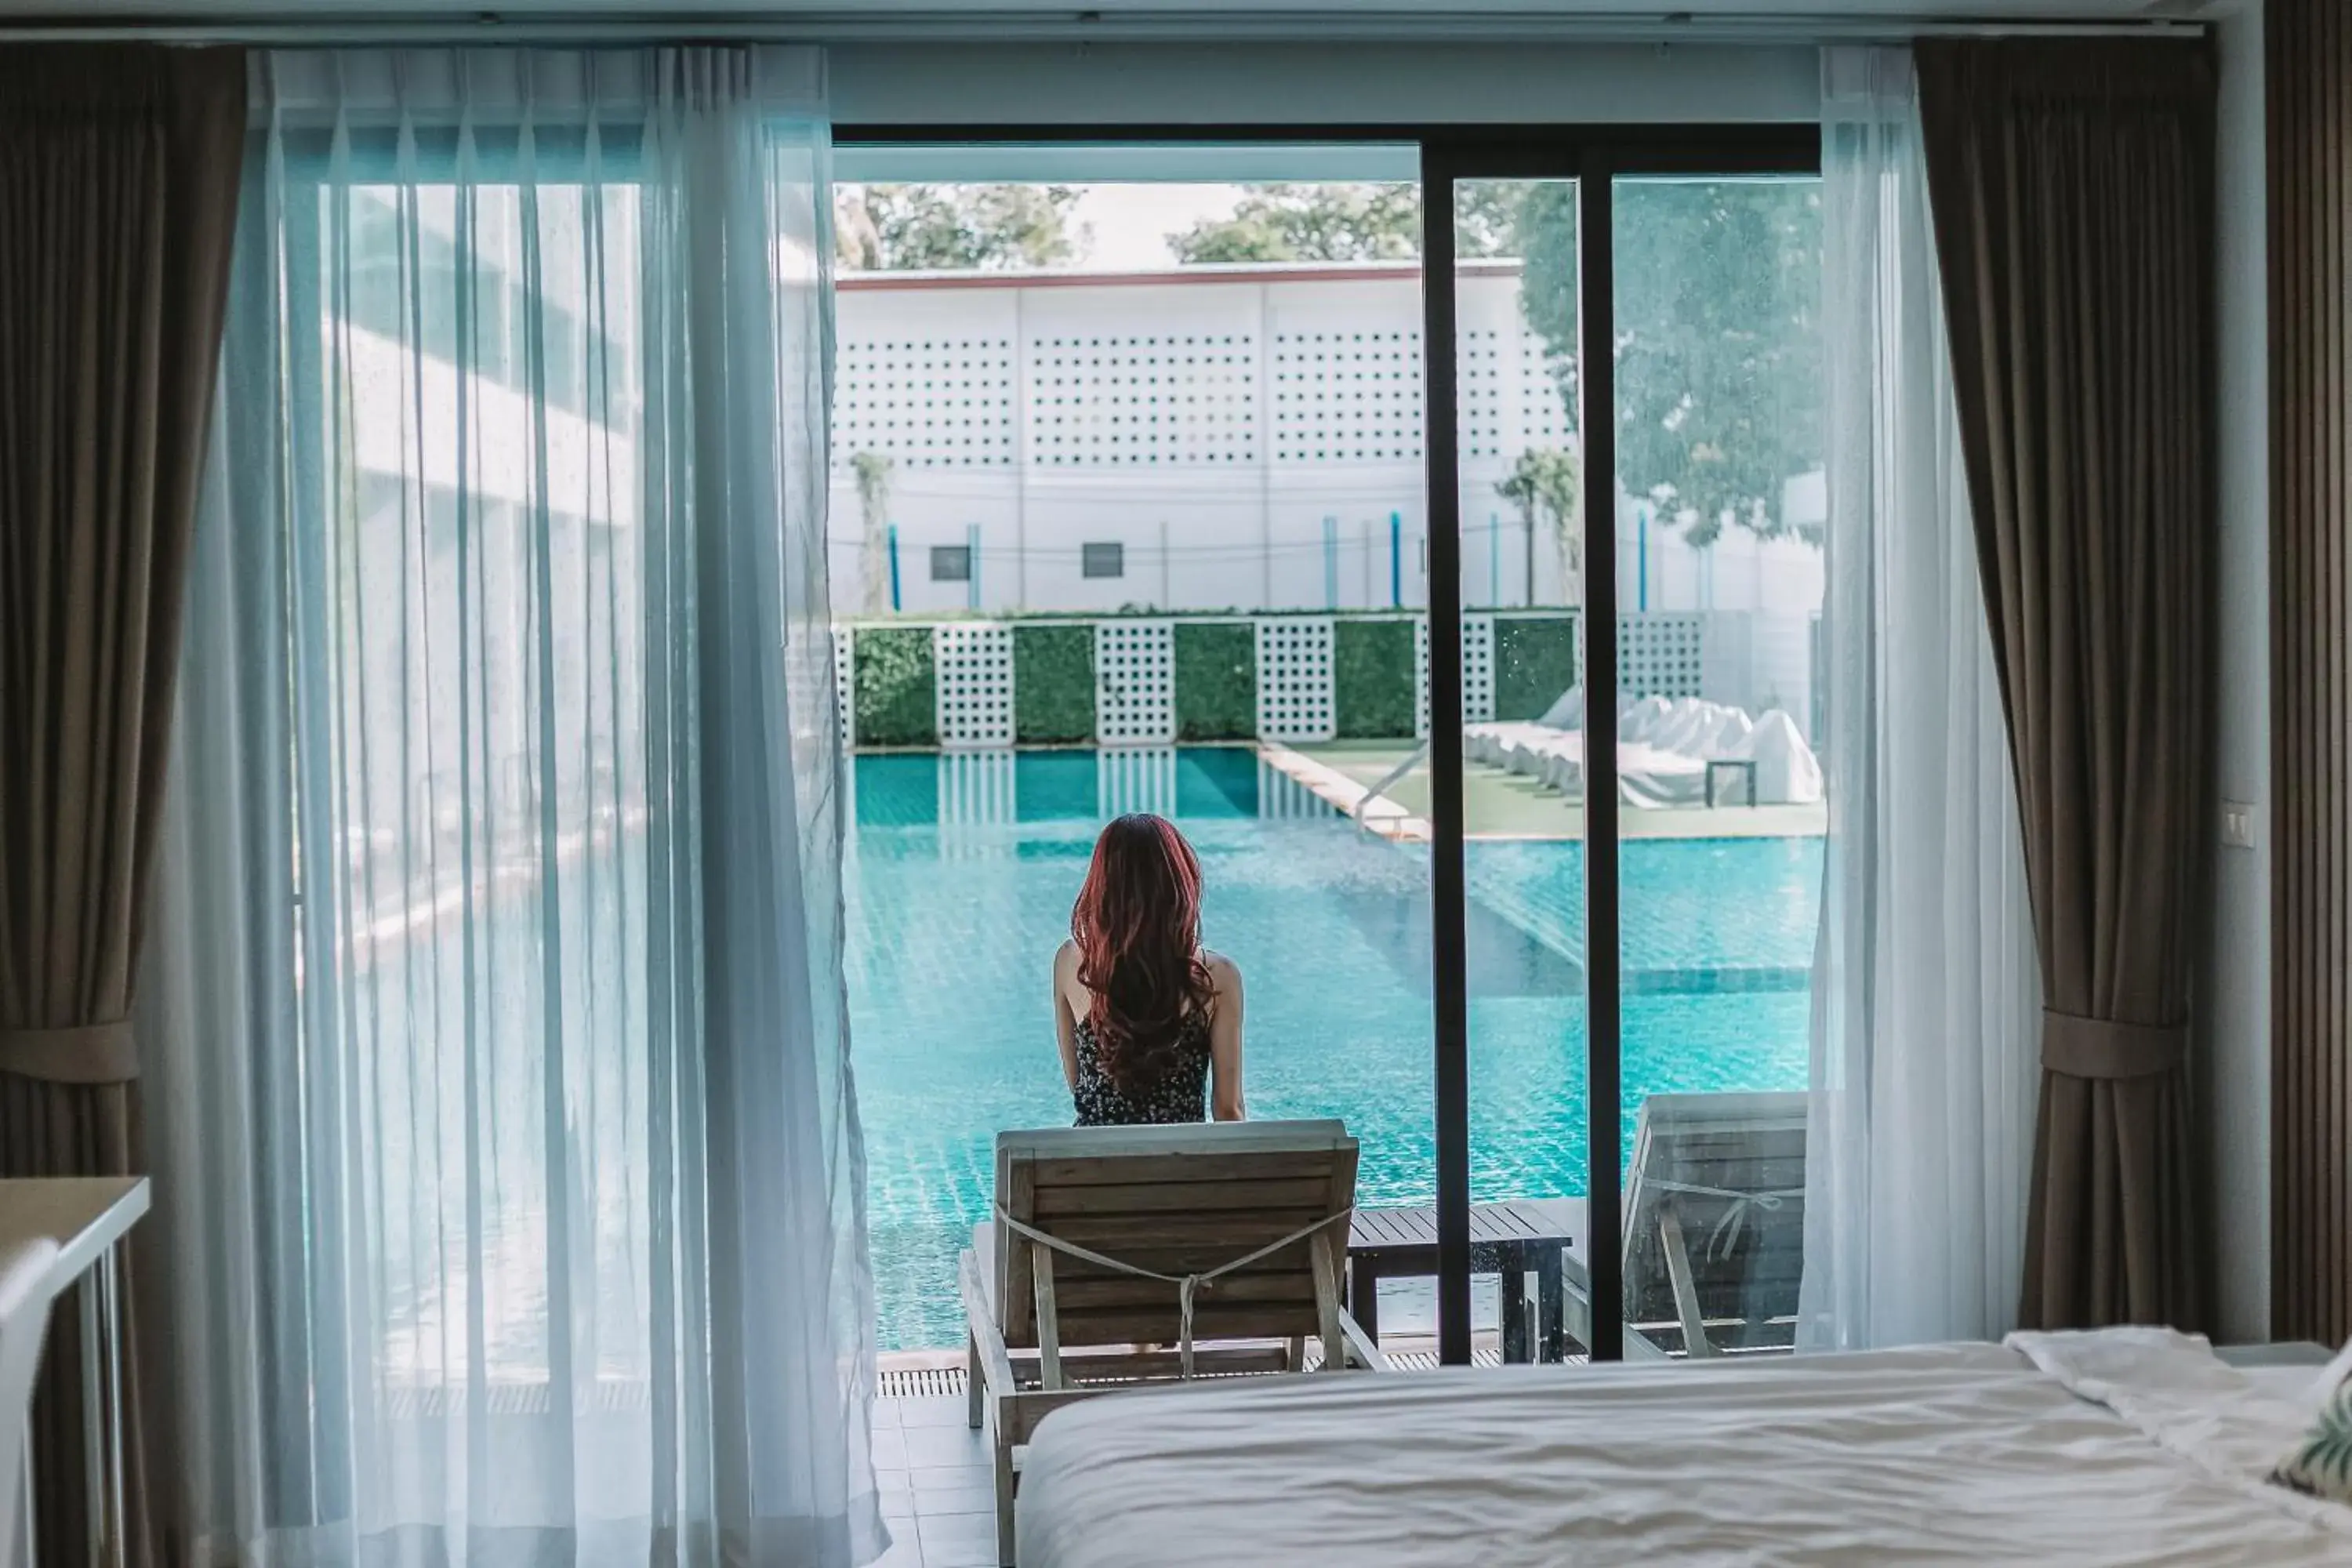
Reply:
x=1137, y=926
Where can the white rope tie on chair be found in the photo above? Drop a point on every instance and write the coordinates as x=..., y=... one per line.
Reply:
x=1726, y=1234
x=1186, y=1284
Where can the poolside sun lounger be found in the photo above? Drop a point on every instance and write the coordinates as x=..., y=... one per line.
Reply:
x=1125, y=1256
x=1715, y=1228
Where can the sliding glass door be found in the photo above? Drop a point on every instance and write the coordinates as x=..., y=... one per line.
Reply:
x=1626, y=807
x=1275, y=500
x=1720, y=503
x=1515, y=482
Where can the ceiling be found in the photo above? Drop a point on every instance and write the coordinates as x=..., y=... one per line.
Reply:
x=1122, y=19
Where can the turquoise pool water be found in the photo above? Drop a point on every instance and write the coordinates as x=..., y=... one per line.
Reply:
x=960, y=872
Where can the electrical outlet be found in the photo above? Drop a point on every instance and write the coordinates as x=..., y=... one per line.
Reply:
x=2237, y=824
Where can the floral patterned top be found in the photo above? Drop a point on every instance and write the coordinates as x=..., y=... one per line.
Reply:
x=1182, y=1096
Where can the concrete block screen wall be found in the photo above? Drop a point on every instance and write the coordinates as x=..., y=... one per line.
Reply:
x=1148, y=680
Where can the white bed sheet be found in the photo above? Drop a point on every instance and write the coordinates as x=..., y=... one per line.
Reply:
x=2126, y=1447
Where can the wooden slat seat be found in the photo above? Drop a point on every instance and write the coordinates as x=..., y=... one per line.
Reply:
x=1047, y=1327
x=1715, y=1226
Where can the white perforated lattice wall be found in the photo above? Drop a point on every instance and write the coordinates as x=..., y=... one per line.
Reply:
x=974, y=665
x=950, y=373
x=1124, y=401
x=1485, y=390
x=1345, y=396
x=945, y=402
x=1420, y=676
x=1135, y=683
x=1294, y=679
x=1478, y=671
x=1542, y=415
x=844, y=684
x=1661, y=654
x=1136, y=778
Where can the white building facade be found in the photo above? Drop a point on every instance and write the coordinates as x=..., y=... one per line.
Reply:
x=1240, y=439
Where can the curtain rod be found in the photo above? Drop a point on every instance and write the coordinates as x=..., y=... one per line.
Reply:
x=1055, y=28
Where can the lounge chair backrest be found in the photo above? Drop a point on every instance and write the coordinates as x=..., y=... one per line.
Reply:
x=1174, y=1200
x=1727, y=1173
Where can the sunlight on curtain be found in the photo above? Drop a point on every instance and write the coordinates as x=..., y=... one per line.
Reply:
x=1926, y=997
x=509, y=663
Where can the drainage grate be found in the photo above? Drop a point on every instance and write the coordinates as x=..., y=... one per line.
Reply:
x=921, y=1383
x=932, y=1382
x=1426, y=1361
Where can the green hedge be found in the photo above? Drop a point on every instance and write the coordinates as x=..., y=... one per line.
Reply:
x=1052, y=684
x=1535, y=661
x=1373, y=679
x=1216, y=681
x=897, y=702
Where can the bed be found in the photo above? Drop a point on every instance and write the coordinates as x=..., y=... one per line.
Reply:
x=2127, y=1446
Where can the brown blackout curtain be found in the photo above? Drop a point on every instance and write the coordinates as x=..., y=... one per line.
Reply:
x=2073, y=189
x=119, y=172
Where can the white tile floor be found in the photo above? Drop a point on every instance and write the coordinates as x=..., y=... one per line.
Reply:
x=939, y=1491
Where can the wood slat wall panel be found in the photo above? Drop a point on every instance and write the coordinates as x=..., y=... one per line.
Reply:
x=2308, y=89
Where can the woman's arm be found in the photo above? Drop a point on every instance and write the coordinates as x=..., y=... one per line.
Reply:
x=1066, y=1022
x=1226, y=1042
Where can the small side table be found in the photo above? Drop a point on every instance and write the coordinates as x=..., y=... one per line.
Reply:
x=87, y=1217
x=1511, y=1239
x=1741, y=766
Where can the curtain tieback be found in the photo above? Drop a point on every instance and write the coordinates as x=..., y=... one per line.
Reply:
x=87, y=1053
x=2104, y=1048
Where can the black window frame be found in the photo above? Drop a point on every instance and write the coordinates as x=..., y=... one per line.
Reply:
x=1595, y=156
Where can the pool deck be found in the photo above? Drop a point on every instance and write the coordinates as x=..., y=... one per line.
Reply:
x=1497, y=804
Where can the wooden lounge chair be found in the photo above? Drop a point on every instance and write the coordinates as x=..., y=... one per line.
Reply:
x=1098, y=1228
x=1715, y=1228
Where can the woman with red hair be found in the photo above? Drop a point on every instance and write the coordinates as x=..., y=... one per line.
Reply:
x=1146, y=1017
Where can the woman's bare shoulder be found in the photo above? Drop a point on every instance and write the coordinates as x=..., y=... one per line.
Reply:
x=1066, y=957
x=1222, y=971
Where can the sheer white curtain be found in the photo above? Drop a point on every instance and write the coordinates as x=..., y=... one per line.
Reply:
x=507, y=1147
x=1926, y=999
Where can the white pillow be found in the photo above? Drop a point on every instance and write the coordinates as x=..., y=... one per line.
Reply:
x=2330, y=1380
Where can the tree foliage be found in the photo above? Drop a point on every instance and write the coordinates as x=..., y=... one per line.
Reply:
x=1547, y=487
x=898, y=228
x=1348, y=221
x=1719, y=362
x=873, y=470
x=1309, y=223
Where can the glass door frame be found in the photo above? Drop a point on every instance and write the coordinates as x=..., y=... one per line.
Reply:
x=1595, y=156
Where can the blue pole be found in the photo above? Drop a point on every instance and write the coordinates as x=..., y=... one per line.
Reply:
x=972, y=577
x=1642, y=557
x=1331, y=563
x=1396, y=561
x=894, y=565
x=1494, y=560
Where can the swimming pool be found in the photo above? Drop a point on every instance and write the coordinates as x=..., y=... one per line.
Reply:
x=959, y=874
